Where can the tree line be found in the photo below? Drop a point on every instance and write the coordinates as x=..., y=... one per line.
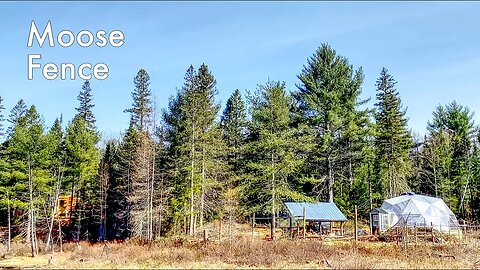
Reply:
x=177, y=168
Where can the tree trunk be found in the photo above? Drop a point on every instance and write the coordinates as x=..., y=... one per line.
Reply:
x=9, y=243
x=369, y=188
x=151, y=195
x=330, y=178
x=435, y=179
x=71, y=201
x=60, y=240
x=272, y=227
x=350, y=169
x=31, y=221
x=54, y=210
x=79, y=216
x=202, y=195
x=192, y=218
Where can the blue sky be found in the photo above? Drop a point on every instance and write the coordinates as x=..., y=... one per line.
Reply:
x=431, y=48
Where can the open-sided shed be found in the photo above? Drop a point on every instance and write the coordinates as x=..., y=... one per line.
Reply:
x=320, y=212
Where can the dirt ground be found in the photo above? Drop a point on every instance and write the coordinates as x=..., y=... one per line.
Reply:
x=237, y=249
x=248, y=253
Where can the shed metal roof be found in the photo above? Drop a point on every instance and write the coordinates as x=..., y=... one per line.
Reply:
x=321, y=211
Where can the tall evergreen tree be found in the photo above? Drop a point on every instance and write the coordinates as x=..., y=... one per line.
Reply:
x=393, y=139
x=16, y=114
x=142, y=105
x=209, y=140
x=179, y=139
x=456, y=121
x=86, y=105
x=234, y=128
x=28, y=149
x=193, y=140
x=2, y=119
x=435, y=164
x=327, y=99
x=473, y=212
x=274, y=149
x=120, y=161
x=82, y=162
x=141, y=158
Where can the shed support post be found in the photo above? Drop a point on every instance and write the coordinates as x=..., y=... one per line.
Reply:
x=298, y=229
x=290, y=227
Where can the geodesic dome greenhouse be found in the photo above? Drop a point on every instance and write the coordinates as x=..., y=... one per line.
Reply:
x=414, y=210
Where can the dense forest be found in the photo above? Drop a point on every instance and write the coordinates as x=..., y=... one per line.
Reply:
x=174, y=169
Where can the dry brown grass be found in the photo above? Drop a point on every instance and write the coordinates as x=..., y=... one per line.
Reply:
x=244, y=252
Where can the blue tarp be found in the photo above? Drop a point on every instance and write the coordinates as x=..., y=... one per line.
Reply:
x=321, y=211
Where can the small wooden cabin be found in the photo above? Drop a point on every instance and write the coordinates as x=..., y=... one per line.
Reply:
x=65, y=206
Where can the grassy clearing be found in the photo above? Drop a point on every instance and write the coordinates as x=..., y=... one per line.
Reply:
x=252, y=253
x=239, y=250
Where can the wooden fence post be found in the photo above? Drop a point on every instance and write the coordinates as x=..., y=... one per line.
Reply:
x=441, y=236
x=290, y=224
x=355, y=224
x=425, y=229
x=304, y=223
x=396, y=235
x=415, y=228
x=253, y=225
x=433, y=235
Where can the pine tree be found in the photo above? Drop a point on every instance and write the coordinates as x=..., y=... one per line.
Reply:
x=356, y=164
x=86, y=105
x=16, y=114
x=27, y=146
x=55, y=163
x=194, y=143
x=327, y=99
x=456, y=121
x=209, y=140
x=435, y=164
x=141, y=164
x=2, y=119
x=81, y=138
x=55, y=142
x=393, y=140
x=120, y=160
x=177, y=163
x=142, y=105
x=83, y=161
x=474, y=187
x=234, y=128
x=274, y=149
